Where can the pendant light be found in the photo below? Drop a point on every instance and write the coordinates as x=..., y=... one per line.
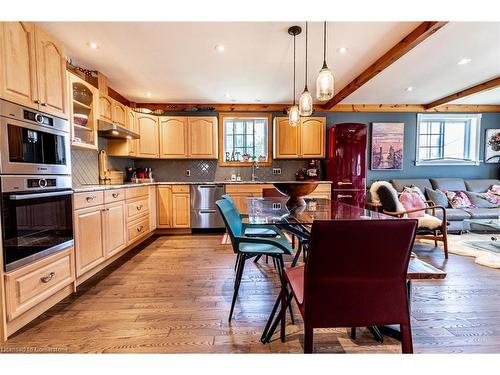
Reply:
x=306, y=100
x=293, y=112
x=325, y=81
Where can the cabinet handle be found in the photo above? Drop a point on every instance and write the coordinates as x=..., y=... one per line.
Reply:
x=340, y=196
x=344, y=183
x=139, y=229
x=37, y=101
x=139, y=207
x=47, y=278
x=43, y=104
x=105, y=209
x=91, y=198
x=115, y=195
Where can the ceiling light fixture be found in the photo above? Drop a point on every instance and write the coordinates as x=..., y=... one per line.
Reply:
x=293, y=112
x=463, y=61
x=409, y=88
x=219, y=48
x=342, y=50
x=306, y=100
x=93, y=45
x=325, y=82
x=148, y=95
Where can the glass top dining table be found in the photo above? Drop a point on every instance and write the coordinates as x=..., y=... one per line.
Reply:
x=274, y=210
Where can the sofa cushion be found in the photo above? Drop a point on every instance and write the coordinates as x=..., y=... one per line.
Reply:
x=483, y=213
x=438, y=197
x=480, y=185
x=453, y=184
x=458, y=199
x=453, y=214
x=478, y=200
x=421, y=183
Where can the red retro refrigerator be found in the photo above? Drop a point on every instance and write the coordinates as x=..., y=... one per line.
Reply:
x=346, y=162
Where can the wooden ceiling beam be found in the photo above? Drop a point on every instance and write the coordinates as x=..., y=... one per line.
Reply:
x=488, y=85
x=413, y=39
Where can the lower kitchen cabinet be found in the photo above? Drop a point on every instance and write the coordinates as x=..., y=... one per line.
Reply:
x=89, y=244
x=173, y=206
x=114, y=225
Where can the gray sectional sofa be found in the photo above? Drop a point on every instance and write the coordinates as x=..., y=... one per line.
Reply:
x=455, y=216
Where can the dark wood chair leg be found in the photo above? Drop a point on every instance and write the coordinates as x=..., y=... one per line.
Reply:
x=284, y=294
x=445, y=243
x=353, y=333
x=308, y=339
x=257, y=258
x=237, y=281
x=406, y=340
x=267, y=259
x=237, y=260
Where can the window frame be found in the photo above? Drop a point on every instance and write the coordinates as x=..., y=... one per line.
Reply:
x=232, y=116
x=440, y=117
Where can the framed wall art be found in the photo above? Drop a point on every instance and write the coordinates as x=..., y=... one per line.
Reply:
x=492, y=146
x=387, y=146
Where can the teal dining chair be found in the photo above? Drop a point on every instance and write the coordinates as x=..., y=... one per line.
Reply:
x=247, y=247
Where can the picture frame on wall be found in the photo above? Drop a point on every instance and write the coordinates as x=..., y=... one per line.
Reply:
x=387, y=146
x=492, y=146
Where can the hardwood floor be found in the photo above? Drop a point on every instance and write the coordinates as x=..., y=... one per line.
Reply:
x=173, y=293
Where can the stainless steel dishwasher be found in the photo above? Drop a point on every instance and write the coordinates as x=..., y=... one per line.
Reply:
x=204, y=213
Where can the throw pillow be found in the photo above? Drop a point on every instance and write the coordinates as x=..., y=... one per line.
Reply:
x=458, y=199
x=414, y=189
x=493, y=195
x=479, y=200
x=389, y=199
x=412, y=201
x=438, y=197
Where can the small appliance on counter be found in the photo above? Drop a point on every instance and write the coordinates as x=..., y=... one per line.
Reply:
x=107, y=176
x=139, y=175
x=312, y=171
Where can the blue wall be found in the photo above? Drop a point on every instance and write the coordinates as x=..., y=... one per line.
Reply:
x=489, y=120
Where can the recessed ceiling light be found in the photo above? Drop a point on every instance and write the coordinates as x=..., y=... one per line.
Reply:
x=219, y=48
x=409, y=88
x=148, y=95
x=463, y=61
x=114, y=132
x=342, y=50
x=93, y=45
x=128, y=137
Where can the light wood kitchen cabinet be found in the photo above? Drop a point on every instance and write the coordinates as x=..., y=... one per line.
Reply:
x=83, y=105
x=18, y=63
x=304, y=141
x=128, y=147
x=173, y=137
x=105, y=108
x=119, y=113
x=114, y=227
x=89, y=243
x=32, y=68
x=51, y=73
x=202, y=137
x=173, y=206
x=148, y=144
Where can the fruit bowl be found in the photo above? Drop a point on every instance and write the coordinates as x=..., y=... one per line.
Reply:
x=296, y=190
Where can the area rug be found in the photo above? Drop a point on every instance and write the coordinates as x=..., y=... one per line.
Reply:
x=458, y=244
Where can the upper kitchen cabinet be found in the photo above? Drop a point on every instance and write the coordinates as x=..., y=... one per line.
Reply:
x=119, y=114
x=173, y=137
x=128, y=147
x=304, y=141
x=202, y=137
x=18, y=63
x=105, y=108
x=83, y=112
x=32, y=68
x=147, y=127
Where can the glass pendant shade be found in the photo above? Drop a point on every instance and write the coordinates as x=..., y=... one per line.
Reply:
x=293, y=116
x=306, y=103
x=324, y=84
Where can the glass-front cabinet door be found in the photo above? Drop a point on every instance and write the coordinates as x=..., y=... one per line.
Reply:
x=84, y=100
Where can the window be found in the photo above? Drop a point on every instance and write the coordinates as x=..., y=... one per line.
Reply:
x=444, y=139
x=246, y=138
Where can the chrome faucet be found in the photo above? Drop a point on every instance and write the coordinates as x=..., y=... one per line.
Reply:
x=255, y=166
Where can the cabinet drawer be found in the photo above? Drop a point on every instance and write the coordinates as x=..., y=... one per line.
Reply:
x=28, y=286
x=137, y=208
x=136, y=192
x=90, y=199
x=114, y=195
x=137, y=229
x=180, y=188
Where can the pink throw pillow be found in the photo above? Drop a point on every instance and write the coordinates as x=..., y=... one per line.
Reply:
x=493, y=194
x=412, y=201
x=458, y=199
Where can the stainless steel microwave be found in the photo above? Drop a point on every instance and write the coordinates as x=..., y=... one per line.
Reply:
x=32, y=142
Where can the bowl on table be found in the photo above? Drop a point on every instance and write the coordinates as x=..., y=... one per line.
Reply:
x=296, y=191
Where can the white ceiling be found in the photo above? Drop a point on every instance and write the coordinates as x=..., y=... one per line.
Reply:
x=431, y=68
x=485, y=97
x=177, y=62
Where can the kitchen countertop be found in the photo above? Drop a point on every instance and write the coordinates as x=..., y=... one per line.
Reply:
x=85, y=188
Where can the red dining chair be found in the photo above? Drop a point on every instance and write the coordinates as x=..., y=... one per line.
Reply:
x=355, y=276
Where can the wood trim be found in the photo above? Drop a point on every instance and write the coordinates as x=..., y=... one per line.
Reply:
x=212, y=107
x=224, y=115
x=413, y=108
x=484, y=86
x=413, y=39
x=92, y=80
x=118, y=97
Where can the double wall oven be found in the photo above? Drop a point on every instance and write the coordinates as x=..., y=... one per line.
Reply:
x=35, y=185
